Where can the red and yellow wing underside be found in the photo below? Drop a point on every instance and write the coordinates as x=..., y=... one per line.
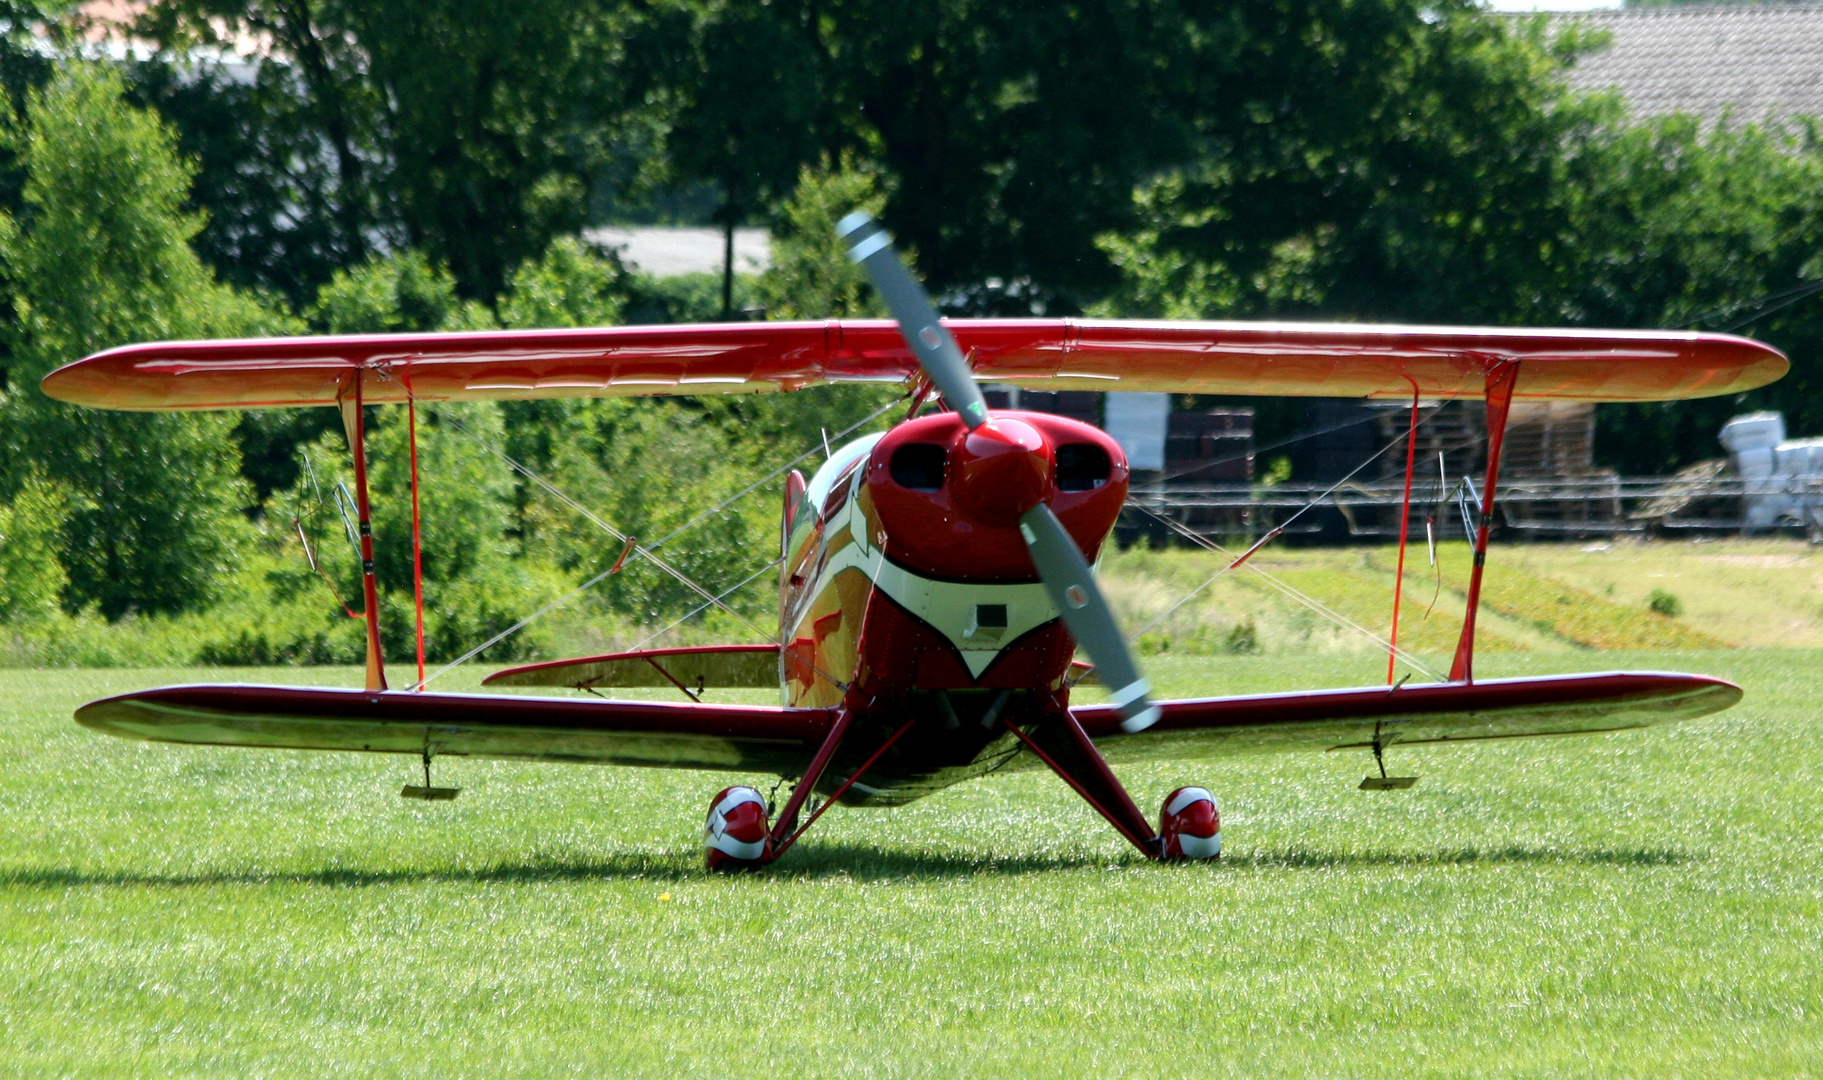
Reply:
x=697, y=667
x=1271, y=359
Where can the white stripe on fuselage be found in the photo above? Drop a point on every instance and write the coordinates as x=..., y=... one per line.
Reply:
x=948, y=606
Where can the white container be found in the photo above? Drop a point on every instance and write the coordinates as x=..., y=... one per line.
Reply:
x=1757, y=463
x=1781, y=477
x=1138, y=421
x=1801, y=457
x=1753, y=431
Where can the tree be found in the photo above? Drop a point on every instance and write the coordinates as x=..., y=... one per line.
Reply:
x=404, y=293
x=570, y=285
x=280, y=213
x=1714, y=230
x=811, y=276
x=468, y=130
x=32, y=34
x=1015, y=133
x=745, y=78
x=100, y=257
x=1420, y=164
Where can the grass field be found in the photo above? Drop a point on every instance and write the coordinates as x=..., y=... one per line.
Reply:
x=1538, y=597
x=1641, y=904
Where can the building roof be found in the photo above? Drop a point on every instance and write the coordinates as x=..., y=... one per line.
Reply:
x=1753, y=60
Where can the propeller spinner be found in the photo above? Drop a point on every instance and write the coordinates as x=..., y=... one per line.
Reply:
x=1006, y=450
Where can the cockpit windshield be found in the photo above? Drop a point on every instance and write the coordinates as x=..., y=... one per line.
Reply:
x=825, y=479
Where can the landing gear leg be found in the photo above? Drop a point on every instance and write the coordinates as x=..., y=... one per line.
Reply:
x=740, y=839
x=1068, y=750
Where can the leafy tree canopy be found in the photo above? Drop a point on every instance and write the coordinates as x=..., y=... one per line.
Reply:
x=99, y=257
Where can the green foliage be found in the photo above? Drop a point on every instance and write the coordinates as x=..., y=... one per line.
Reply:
x=1434, y=177
x=1711, y=230
x=474, y=583
x=392, y=294
x=744, y=79
x=468, y=130
x=278, y=216
x=1665, y=604
x=32, y=578
x=648, y=468
x=684, y=298
x=100, y=258
x=811, y=276
x=32, y=33
x=1017, y=131
x=569, y=285
x=1241, y=638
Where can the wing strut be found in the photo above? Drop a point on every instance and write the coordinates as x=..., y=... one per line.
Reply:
x=1499, y=398
x=1405, y=521
x=355, y=423
x=417, y=548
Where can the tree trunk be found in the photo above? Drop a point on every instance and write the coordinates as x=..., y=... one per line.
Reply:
x=728, y=263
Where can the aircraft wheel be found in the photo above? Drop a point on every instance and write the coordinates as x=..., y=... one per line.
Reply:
x=1190, y=824
x=736, y=835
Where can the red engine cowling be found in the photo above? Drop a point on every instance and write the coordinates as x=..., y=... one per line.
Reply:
x=949, y=499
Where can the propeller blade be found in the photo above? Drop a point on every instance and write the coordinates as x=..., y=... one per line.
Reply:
x=1067, y=578
x=869, y=245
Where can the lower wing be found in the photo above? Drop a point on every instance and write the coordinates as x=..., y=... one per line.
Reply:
x=746, y=738
x=1434, y=713
x=765, y=739
x=749, y=666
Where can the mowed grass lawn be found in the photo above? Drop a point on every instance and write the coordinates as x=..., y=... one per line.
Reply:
x=1639, y=904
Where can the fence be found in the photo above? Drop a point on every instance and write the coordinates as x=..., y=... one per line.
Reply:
x=1694, y=502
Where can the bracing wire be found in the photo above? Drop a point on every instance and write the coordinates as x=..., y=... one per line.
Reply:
x=637, y=549
x=1289, y=440
x=693, y=613
x=1369, y=460
x=1287, y=589
x=773, y=475
x=644, y=551
x=1760, y=307
x=566, y=598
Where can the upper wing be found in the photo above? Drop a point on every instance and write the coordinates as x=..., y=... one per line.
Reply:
x=1436, y=713
x=748, y=738
x=748, y=666
x=1290, y=359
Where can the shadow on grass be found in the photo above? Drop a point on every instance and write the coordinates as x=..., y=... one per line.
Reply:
x=819, y=862
x=1324, y=860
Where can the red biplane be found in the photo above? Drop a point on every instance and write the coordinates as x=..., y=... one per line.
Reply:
x=936, y=579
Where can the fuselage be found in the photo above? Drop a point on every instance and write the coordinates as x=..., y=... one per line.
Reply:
x=906, y=589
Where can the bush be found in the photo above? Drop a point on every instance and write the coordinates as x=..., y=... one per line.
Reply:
x=395, y=294
x=568, y=286
x=1665, y=604
x=32, y=578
